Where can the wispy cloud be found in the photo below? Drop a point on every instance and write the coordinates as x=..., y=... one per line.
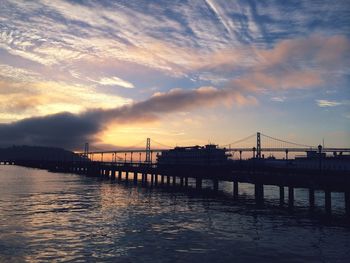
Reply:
x=112, y=81
x=188, y=42
x=331, y=103
x=59, y=55
x=18, y=74
x=278, y=99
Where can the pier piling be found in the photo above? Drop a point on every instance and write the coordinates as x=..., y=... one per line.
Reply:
x=281, y=195
x=347, y=202
x=290, y=197
x=155, y=179
x=235, y=190
x=311, y=198
x=198, y=183
x=328, y=201
x=259, y=193
x=215, y=185
x=168, y=180
x=135, y=177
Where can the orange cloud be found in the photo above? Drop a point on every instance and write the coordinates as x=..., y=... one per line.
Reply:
x=311, y=51
x=295, y=63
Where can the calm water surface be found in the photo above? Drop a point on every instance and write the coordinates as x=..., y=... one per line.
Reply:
x=64, y=217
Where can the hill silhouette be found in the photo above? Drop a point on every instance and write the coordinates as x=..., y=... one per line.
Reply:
x=25, y=152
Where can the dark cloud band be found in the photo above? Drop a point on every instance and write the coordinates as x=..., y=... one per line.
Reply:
x=72, y=130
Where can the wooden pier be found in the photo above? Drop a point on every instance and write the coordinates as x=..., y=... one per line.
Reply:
x=246, y=172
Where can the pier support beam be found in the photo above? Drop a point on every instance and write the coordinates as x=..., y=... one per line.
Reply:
x=311, y=198
x=181, y=181
x=186, y=181
x=328, y=201
x=168, y=180
x=198, y=183
x=281, y=195
x=108, y=173
x=135, y=177
x=113, y=175
x=162, y=179
x=215, y=185
x=126, y=177
x=290, y=197
x=347, y=203
x=155, y=179
x=174, y=180
x=119, y=175
x=235, y=190
x=259, y=193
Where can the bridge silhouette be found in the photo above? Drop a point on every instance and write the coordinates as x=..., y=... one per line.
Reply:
x=257, y=144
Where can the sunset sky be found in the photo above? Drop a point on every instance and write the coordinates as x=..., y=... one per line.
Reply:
x=179, y=72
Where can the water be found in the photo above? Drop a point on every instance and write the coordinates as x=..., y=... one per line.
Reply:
x=64, y=217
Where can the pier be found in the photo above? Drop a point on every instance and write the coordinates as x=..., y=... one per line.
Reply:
x=167, y=176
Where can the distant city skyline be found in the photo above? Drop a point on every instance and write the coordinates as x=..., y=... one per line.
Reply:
x=113, y=73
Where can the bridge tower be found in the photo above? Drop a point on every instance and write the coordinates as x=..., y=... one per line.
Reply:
x=258, y=145
x=86, y=150
x=148, y=150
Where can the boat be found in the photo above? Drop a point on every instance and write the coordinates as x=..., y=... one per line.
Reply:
x=208, y=155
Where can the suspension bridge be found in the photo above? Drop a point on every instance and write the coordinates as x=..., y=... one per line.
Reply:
x=258, y=144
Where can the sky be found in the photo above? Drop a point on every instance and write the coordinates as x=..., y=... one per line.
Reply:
x=113, y=73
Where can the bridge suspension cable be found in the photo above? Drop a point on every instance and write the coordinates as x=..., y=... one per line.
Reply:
x=287, y=142
x=140, y=143
x=161, y=144
x=241, y=140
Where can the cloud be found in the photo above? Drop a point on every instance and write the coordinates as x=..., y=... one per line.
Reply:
x=278, y=99
x=17, y=74
x=60, y=55
x=115, y=81
x=64, y=129
x=23, y=99
x=331, y=103
x=300, y=63
x=314, y=51
x=196, y=39
x=71, y=130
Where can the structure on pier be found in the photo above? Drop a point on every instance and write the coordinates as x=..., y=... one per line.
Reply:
x=208, y=155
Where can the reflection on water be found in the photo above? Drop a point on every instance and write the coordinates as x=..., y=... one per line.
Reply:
x=46, y=217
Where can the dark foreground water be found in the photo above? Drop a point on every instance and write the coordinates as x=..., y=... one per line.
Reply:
x=64, y=217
